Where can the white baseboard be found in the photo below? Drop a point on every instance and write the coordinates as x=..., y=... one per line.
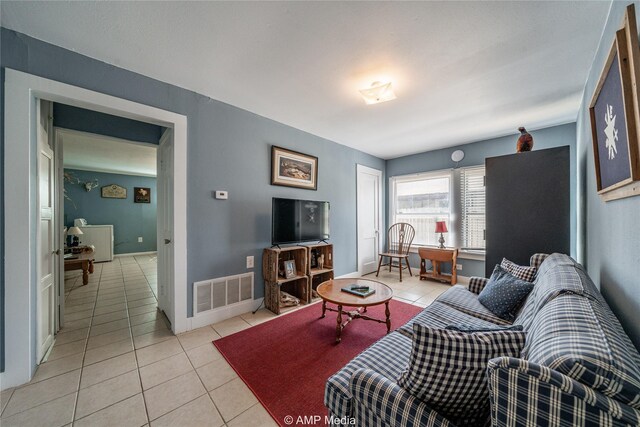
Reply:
x=222, y=313
x=136, y=254
x=349, y=275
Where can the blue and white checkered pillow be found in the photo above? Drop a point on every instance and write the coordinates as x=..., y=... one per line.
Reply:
x=504, y=293
x=447, y=369
x=525, y=273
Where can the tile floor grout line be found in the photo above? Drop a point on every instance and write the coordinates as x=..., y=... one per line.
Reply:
x=200, y=379
x=75, y=405
x=135, y=354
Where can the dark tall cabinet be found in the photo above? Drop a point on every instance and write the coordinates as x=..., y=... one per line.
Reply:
x=527, y=205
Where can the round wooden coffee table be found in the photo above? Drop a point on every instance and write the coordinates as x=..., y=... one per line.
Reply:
x=331, y=291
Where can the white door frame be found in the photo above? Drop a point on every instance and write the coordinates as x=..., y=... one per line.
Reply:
x=381, y=229
x=21, y=93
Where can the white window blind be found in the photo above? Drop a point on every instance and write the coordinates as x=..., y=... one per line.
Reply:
x=472, y=193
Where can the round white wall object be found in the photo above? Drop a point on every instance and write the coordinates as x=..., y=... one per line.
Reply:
x=457, y=155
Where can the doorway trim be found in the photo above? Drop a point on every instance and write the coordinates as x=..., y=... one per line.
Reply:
x=381, y=229
x=22, y=90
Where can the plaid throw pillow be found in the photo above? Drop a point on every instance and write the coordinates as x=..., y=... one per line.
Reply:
x=447, y=370
x=520, y=271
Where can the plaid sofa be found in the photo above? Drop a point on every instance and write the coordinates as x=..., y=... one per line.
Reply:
x=578, y=367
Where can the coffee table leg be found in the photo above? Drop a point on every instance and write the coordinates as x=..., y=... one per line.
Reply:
x=339, y=325
x=388, y=314
x=324, y=309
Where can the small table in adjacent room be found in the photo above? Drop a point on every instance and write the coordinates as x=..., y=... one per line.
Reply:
x=437, y=257
x=81, y=261
x=330, y=291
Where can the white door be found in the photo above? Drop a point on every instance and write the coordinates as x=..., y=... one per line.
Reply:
x=46, y=269
x=58, y=214
x=369, y=183
x=165, y=224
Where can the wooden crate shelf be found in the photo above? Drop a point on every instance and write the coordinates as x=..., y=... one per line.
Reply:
x=308, y=274
x=298, y=287
x=313, y=252
x=316, y=274
x=272, y=264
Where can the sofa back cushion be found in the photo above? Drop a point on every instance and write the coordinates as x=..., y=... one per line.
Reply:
x=556, y=275
x=579, y=336
x=448, y=370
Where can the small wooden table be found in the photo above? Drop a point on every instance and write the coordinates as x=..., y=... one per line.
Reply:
x=82, y=261
x=330, y=291
x=437, y=257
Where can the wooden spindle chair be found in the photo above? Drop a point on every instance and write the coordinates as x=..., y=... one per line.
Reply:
x=399, y=240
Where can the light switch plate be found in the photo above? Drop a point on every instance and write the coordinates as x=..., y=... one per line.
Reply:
x=222, y=195
x=458, y=266
x=250, y=262
x=139, y=239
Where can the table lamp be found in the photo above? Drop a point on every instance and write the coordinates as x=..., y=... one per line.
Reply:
x=441, y=227
x=75, y=232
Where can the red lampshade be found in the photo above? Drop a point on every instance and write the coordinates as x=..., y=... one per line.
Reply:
x=441, y=227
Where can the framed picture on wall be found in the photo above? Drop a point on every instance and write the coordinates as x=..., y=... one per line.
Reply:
x=293, y=169
x=142, y=194
x=615, y=117
x=113, y=191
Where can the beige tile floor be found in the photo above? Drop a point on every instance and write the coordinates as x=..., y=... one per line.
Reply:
x=115, y=363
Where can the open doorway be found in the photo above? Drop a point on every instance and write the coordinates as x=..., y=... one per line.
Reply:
x=110, y=216
x=24, y=263
x=108, y=286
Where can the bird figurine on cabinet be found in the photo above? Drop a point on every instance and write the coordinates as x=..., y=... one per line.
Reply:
x=525, y=141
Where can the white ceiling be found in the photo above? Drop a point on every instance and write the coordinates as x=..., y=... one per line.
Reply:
x=99, y=153
x=462, y=71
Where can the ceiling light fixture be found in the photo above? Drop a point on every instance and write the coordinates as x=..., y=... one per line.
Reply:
x=378, y=92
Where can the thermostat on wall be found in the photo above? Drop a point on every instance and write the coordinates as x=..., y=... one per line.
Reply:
x=222, y=195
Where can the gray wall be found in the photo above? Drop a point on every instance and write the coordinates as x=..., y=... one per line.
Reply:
x=66, y=116
x=475, y=154
x=611, y=231
x=228, y=149
x=130, y=220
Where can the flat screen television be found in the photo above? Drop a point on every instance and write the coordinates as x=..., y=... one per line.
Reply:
x=295, y=221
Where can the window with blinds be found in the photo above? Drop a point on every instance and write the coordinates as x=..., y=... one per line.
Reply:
x=472, y=193
x=421, y=200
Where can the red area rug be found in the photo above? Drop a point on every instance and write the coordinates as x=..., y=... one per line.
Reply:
x=286, y=361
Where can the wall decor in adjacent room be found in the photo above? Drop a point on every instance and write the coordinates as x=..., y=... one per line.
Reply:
x=114, y=191
x=615, y=117
x=293, y=169
x=141, y=195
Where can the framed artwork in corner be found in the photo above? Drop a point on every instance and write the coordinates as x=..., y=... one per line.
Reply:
x=293, y=169
x=615, y=117
x=142, y=195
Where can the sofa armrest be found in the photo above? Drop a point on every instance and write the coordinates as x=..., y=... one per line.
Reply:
x=527, y=394
x=477, y=284
x=387, y=401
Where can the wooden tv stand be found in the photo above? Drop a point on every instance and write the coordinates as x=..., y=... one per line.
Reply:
x=437, y=257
